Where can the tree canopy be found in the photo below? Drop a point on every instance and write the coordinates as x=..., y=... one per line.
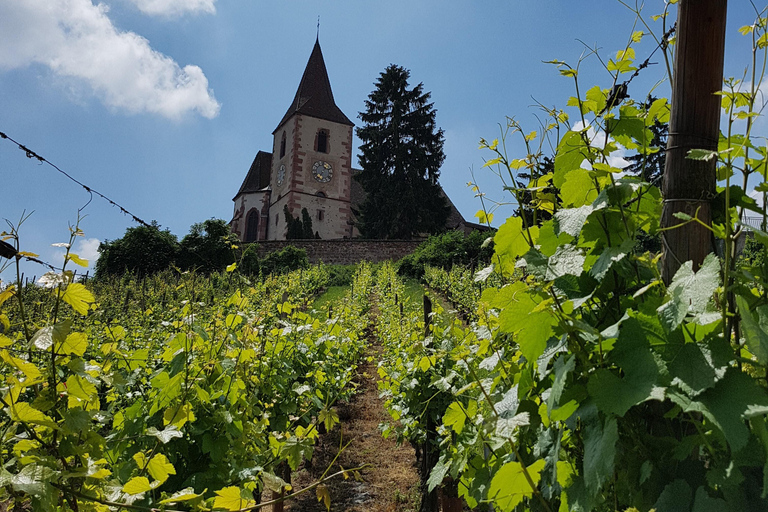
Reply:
x=401, y=155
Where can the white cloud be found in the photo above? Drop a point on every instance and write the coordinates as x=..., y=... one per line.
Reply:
x=175, y=7
x=76, y=39
x=85, y=248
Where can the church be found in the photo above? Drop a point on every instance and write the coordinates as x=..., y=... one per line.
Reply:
x=310, y=167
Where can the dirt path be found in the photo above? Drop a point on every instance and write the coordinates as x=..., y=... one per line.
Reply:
x=389, y=485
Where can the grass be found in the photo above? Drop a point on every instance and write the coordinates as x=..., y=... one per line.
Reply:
x=331, y=296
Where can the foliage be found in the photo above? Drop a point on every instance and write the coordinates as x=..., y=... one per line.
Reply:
x=209, y=247
x=182, y=392
x=142, y=250
x=401, y=155
x=448, y=249
x=298, y=228
x=589, y=384
x=461, y=286
x=287, y=259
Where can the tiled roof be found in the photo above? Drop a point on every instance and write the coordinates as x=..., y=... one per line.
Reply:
x=258, y=175
x=314, y=96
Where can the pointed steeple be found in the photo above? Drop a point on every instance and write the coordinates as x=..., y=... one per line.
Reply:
x=314, y=96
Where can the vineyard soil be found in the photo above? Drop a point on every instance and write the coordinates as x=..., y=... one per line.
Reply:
x=390, y=484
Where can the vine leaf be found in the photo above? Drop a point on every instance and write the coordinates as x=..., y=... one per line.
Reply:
x=609, y=256
x=519, y=315
x=567, y=260
x=755, y=329
x=137, y=485
x=509, y=486
x=578, y=189
x=631, y=353
x=438, y=474
x=511, y=242
x=570, y=155
x=455, y=416
x=694, y=369
x=734, y=398
x=233, y=498
x=675, y=496
x=79, y=297
x=599, y=452
x=571, y=220
x=690, y=291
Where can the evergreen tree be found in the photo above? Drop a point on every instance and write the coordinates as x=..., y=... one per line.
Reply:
x=306, y=224
x=401, y=155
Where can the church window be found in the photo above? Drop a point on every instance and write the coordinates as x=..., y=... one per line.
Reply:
x=321, y=194
x=282, y=146
x=322, y=141
x=320, y=214
x=252, y=226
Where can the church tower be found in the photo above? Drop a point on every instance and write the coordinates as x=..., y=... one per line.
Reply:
x=312, y=158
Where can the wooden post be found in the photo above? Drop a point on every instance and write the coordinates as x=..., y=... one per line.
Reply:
x=427, y=315
x=689, y=185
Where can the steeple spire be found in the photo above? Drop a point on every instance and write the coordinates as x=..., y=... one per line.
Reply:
x=314, y=96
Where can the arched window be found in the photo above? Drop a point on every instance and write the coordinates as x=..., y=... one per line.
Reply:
x=321, y=194
x=322, y=141
x=252, y=226
x=282, y=146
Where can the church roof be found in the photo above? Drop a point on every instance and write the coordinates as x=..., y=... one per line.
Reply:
x=314, y=96
x=258, y=175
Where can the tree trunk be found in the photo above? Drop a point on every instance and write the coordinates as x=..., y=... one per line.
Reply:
x=689, y=185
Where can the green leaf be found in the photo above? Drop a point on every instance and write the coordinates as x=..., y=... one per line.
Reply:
x=675, y=497
x=755, y=330
x=182, y=495
x=701, y=154
x=509, y=486
x=233, y=498
x=160, y=468
x=694, y=369
x=632, y=353
x=609, y=256
x=137, y=485
x=690, y=291
x=511, y=241
x=600, y=442
x=571, y=152
x=517, y=314
x=22, y=411
x=329, y=417
x=734, y=398
x=455, y=417
x=704, y=503
x=567, y=260
x=571, y=220
x=437, y=475
x=76, y=343
x=79, y=297
x=578, y=189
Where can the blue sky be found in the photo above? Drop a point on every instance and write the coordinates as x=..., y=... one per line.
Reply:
x=162, y=104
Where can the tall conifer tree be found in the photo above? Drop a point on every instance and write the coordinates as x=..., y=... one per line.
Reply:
x=401, y=155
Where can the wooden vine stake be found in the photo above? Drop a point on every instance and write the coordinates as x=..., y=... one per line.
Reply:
x=689, y=185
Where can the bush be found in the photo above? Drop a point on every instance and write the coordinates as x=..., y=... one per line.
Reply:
x=445, y=251
x=285, y=260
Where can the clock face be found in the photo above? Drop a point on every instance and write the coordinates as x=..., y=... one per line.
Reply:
x=322, y=171
x=281, y=175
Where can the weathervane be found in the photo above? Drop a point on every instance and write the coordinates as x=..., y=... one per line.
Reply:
x=318, y=26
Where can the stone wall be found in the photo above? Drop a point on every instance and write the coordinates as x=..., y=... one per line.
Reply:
x=344, y=252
